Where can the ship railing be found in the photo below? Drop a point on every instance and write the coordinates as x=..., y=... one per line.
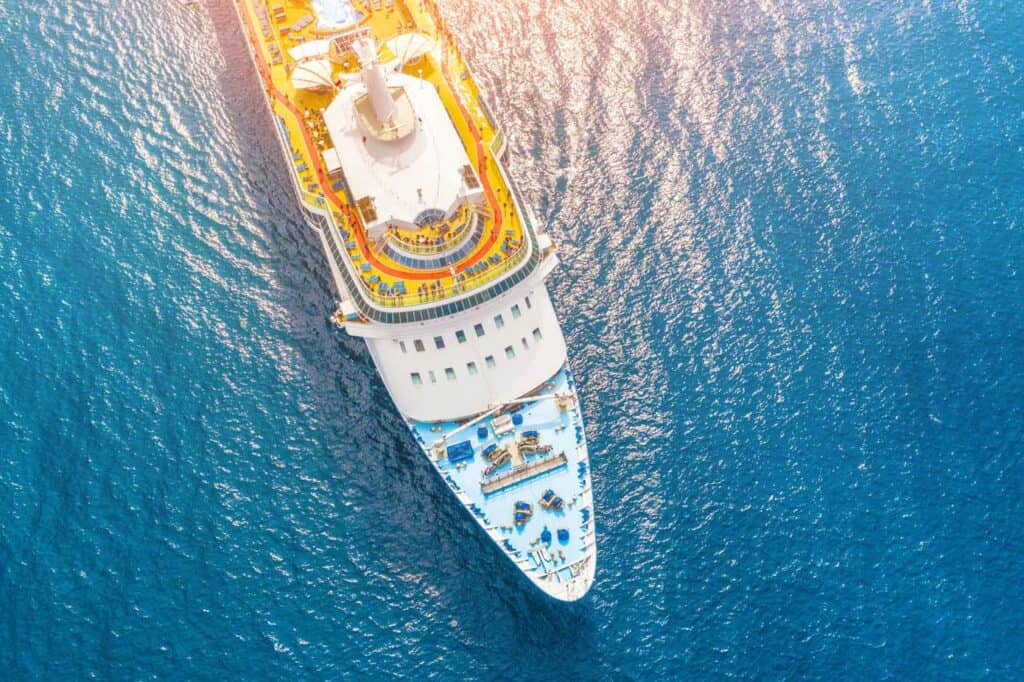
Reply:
x=467, y=292
x=463, y=283
x=449, y=258
x=416, y=307
x=445, y=244
x=497, y=142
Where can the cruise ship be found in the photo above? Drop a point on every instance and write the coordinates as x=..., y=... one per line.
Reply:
x=401, y=169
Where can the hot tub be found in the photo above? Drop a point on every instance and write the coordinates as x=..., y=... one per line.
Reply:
x=334, y=14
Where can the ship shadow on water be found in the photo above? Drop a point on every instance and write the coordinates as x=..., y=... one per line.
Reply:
x=339, y=366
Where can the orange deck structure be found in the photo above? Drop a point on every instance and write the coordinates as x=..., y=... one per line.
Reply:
x=498, y=243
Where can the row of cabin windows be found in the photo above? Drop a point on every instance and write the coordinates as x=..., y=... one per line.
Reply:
x=460, y=335
x=449, y=372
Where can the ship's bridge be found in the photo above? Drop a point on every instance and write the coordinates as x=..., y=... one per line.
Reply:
x=408, y=171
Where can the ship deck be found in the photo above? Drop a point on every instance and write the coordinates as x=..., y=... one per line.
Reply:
x=407, y=268
x=554, y=547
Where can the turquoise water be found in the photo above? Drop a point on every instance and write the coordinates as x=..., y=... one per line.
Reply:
x=791, y=236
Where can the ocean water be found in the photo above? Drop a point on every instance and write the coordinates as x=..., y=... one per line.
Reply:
x=791, y=234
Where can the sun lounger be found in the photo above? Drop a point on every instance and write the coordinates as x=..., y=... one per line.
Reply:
x=502, y=424
x=501, y=458
x=549, y=500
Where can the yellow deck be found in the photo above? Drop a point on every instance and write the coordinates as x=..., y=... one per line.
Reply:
x=267, y=22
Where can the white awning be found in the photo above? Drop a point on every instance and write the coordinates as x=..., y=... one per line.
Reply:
x=409, y=47
x=315, y=75
x=332, y=160
x=310, y=50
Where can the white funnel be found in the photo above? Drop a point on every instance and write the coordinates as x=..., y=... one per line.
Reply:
x=374, y=80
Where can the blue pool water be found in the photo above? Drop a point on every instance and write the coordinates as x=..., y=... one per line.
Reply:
x=335, y=13
x=791, y=235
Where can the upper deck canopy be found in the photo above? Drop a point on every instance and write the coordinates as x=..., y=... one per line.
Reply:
x=312, y=75
x=405, y=178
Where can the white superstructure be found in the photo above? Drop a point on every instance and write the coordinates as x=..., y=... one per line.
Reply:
x=459, y=366
x=405, y=177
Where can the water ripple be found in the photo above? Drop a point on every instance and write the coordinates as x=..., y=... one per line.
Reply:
x=790, y=236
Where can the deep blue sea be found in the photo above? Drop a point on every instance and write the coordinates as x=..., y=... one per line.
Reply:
x=792, y=235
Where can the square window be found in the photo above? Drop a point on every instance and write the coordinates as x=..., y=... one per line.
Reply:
x=536, y=335
x=479, y=329
x=433, y=379
x=499, y=321
x=439, y=342
x=449, y=374
x=460, y=336
x=510, y=352
x=418, y=345
x=516, y=312
x=417, y=380
x=471, y=368
x=401, y=344
x=528, y=304
x=526, y=344
x=489, y=360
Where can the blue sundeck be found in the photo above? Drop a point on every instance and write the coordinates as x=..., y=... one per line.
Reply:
x=502, y=486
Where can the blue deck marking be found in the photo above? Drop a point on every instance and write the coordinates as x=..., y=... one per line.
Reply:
x=561, y=431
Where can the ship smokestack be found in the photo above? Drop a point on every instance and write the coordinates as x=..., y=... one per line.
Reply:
x=375, y=80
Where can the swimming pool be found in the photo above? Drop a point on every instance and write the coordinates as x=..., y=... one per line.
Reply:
x=335, y=13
